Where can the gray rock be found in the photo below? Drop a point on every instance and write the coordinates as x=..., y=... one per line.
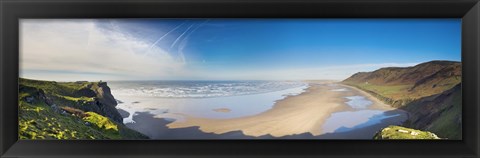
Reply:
x=29, y=99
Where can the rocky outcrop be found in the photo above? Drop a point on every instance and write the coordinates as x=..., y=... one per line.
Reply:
x=106, y=102
x=398, y=132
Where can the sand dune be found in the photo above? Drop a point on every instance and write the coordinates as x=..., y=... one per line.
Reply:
x=293, y=115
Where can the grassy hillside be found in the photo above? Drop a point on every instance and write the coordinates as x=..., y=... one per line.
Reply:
x=398, y=132
x=441, y=114
x=69, y=110
x=400, y=86
x=430, y=92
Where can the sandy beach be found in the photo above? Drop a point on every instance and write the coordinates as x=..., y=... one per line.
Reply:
x=304, y=113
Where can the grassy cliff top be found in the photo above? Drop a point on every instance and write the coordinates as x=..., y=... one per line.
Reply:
x=69, y=110
x=60, y=88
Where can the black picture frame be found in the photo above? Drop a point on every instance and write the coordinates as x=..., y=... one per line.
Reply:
x=13, y=10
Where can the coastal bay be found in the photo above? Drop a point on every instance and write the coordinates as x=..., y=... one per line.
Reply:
x=294, y=116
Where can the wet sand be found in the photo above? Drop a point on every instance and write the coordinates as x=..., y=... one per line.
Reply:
x=156, y=128
x=304, y=113
x=377, y=104
x=295, y=117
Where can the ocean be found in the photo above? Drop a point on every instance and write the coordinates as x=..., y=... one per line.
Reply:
x=173, y=100
x=178, y=100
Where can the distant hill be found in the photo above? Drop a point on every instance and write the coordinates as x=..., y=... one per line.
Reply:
x=401, y=85
x=430, y=92
x=69, y=110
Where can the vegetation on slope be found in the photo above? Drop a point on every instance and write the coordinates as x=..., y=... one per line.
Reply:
x=100, y=121
x=400, y=86
x=398, y=132
x=87, y=96
x=51, y=110
x=430, y=92
x=441, y=114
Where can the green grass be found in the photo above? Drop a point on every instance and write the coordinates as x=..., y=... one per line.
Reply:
x=77, y=99
x=395, y=132
x=407, y=92
x=446, y=125
x=59, y=88
x=38, y=121
x=100, y=121
x=391, y=91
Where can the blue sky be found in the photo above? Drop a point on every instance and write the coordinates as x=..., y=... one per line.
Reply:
x=226, y=49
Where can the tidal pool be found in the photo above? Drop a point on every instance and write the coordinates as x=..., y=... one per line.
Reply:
x=358, y=102
x=351, y=120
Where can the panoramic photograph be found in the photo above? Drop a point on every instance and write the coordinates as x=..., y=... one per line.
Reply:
x=223, y=79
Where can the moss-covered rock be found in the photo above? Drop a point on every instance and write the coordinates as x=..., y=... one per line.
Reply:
x=398, y=132
x=100, y=121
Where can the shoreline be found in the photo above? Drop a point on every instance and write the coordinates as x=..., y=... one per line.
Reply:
x=210, y=107
x=293, y=115
x=156, y=129
x=300, y=116
x=377, y=102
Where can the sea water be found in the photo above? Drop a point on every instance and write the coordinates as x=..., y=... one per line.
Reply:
x=176, y=99
x=361, y=115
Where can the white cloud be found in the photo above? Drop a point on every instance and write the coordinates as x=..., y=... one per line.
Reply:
x=77, y=46
x=81, y=50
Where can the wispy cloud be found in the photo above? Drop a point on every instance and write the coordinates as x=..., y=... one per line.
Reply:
x=180, y=36
x=165, y=35
x=79, y=45
x=184, y=41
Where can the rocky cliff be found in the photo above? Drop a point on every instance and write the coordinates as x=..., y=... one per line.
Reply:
x=70, y=110
x=430, y=92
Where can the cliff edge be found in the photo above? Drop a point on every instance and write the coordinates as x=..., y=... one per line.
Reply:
x=70, y=110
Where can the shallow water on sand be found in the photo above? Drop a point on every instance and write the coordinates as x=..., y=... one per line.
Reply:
x=358, y=102
x=351, y=120
x=176, y=108
x=361, y=115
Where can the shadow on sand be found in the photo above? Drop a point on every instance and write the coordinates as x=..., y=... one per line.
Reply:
x=156, y=128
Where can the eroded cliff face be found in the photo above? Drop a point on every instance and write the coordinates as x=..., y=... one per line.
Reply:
x=106, y=102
